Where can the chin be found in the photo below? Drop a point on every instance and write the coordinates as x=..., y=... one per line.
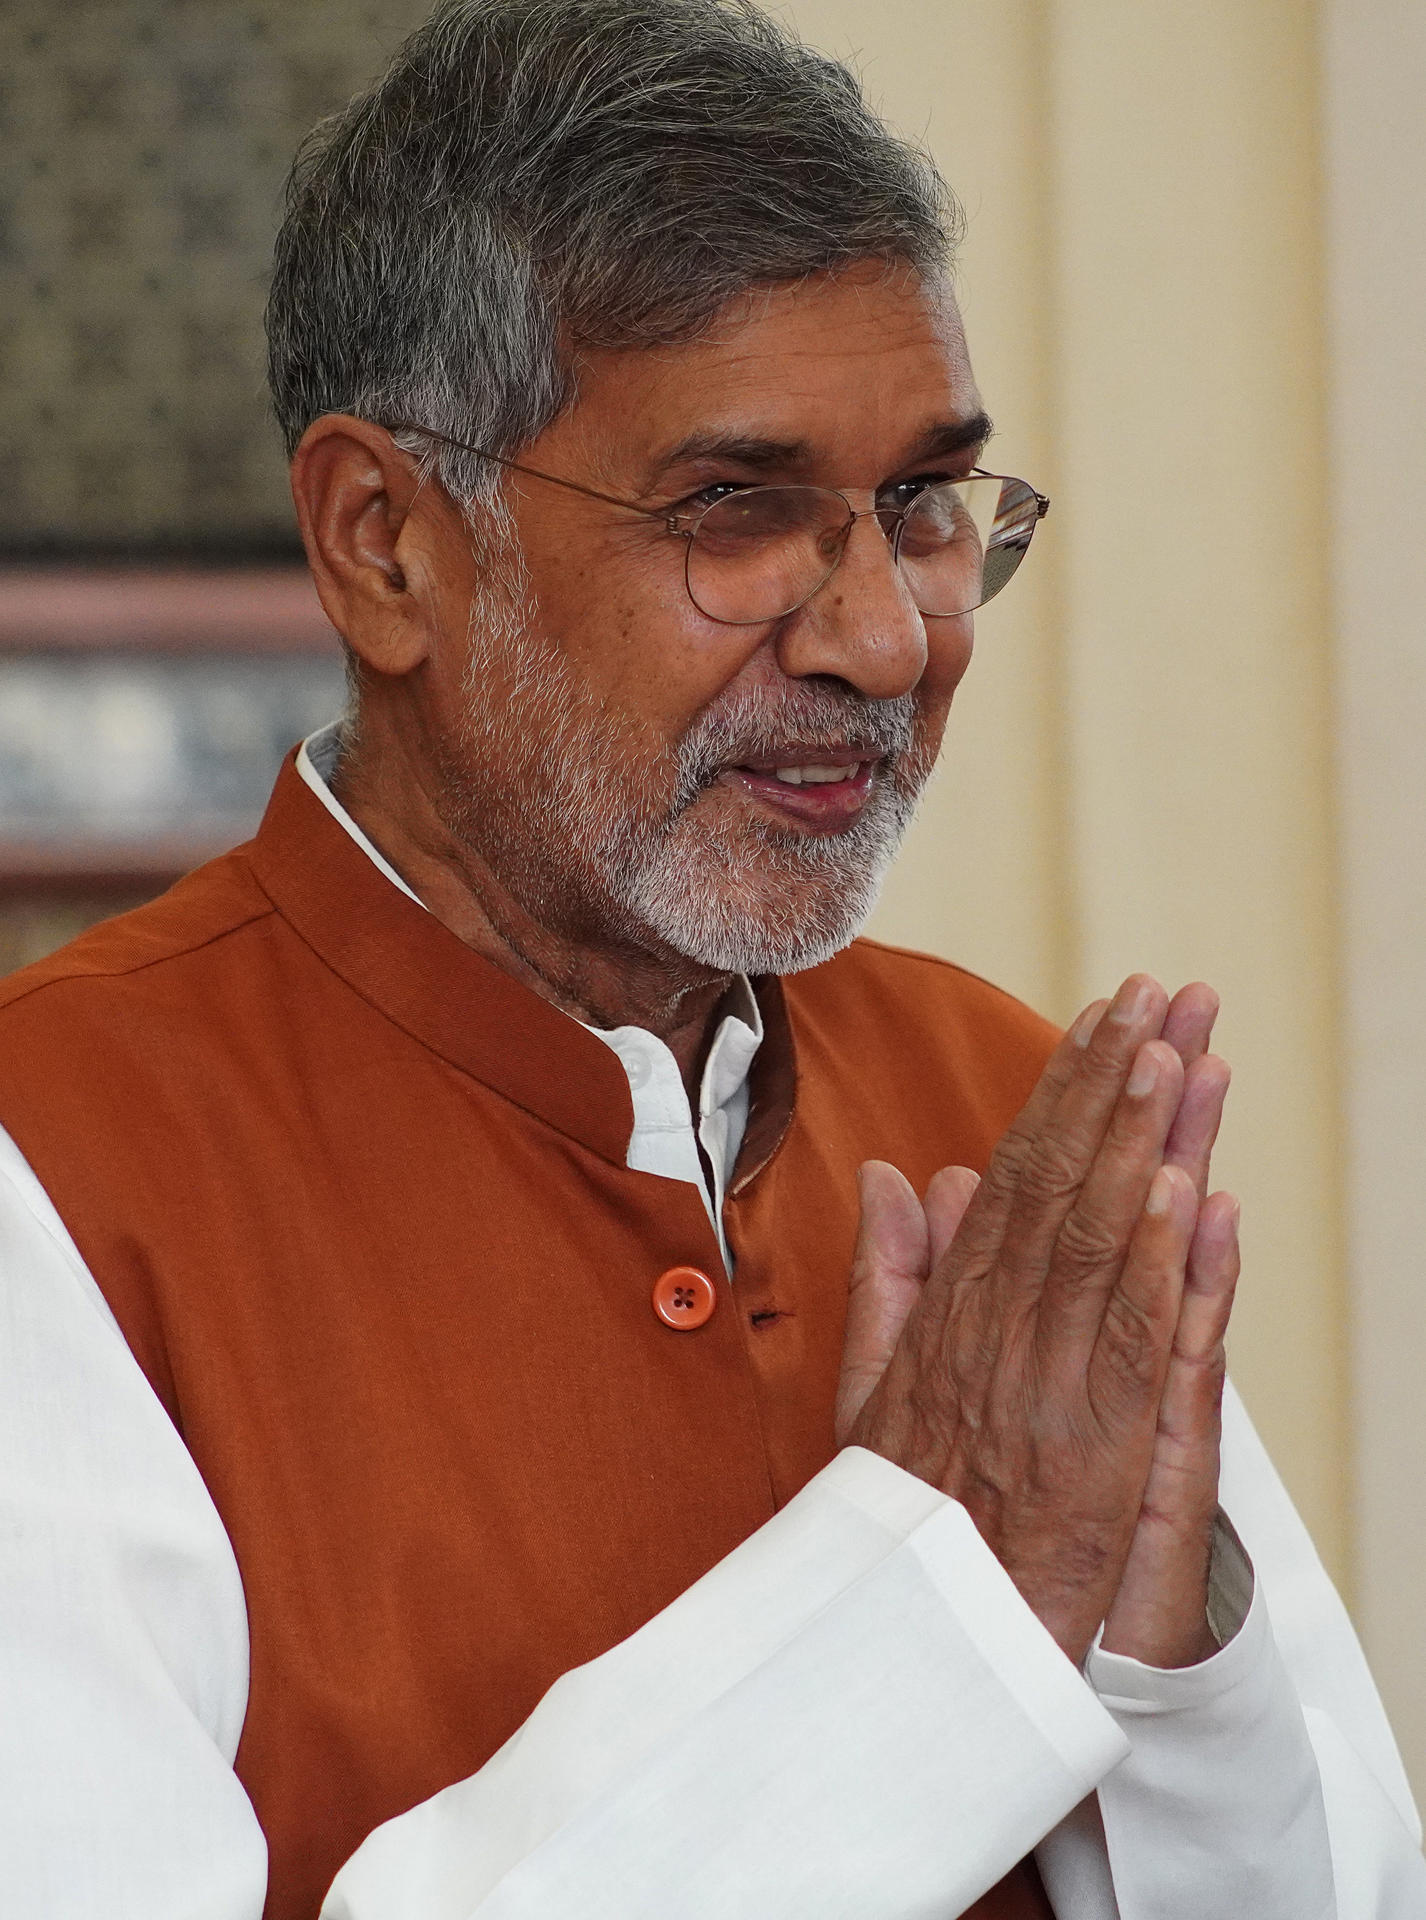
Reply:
x=776, y=903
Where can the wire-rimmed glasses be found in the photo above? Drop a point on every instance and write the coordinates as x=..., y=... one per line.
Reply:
x=761, y=552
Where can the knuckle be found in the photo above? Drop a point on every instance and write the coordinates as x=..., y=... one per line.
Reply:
x=1002, y=1174
x=997, y=1189
x=1133, y=1341
x=1088, y=1243
x=1106, y=1059
x=1051, y=1176
x=1208, y=1374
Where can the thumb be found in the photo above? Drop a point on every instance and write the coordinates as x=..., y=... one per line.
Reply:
x=949, y=1194
x=890, y=1264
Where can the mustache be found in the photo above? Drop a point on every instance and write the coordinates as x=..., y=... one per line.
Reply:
x=748, y=725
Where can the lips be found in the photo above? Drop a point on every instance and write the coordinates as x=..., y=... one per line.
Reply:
x=823, y=788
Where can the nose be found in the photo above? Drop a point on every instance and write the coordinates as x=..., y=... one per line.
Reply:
x=861, y=625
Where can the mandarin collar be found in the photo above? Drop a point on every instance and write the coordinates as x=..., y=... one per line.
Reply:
x=385, y=945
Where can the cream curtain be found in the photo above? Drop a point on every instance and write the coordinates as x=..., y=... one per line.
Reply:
x=1171, y=210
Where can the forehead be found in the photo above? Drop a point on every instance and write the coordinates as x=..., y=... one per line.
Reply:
x=850, y=367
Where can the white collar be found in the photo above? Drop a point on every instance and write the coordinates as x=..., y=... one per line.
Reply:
x=666, y=1138
x=316, y=763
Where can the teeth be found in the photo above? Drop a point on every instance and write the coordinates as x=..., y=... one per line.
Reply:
x=816, y=776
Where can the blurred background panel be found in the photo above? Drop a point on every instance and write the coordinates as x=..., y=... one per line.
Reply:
x=160, y=644
x=143, y=713
x=1192, y=279
x=146, y=143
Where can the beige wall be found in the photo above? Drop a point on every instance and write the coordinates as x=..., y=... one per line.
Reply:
x=1375, y=82
x=1140, y=771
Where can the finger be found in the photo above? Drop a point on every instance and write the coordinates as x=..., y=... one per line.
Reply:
x=889, y=1267
x=1003, y=1173
x=1130, y=1360
x=1099, y=1228
x=1183, y=1484
x=1188, y=1025
x=947, y=1197
x=1195, y=1126
x=1035, y=1174
x=1214, y=1264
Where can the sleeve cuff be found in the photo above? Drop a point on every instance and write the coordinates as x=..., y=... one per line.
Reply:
x=1129, y=1685
x=853, y=1712
x=1218, y=1808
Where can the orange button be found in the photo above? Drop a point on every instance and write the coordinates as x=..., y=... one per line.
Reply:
x=684, y=1298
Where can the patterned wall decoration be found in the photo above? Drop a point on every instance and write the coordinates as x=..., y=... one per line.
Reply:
x=145, y=143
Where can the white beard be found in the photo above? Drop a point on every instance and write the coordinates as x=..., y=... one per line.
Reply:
x=607, y=828
x=758, y=898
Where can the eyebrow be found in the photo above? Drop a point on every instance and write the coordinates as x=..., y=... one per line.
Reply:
x=749, y=450
x=953, y=436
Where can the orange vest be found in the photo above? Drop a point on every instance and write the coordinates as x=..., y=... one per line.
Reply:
x=359, y=1203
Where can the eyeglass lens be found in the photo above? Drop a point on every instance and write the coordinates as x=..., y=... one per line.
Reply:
x=762, y=552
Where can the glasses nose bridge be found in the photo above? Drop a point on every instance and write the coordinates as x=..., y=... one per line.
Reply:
x=890, y=519
x=888, y=516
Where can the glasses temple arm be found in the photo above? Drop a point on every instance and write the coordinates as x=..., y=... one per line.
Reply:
x=516, y=466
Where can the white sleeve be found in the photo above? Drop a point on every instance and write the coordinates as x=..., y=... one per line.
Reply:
x=123, y=1634
x=1372, y=1824
x=853, y=1714
x=1264, y=1781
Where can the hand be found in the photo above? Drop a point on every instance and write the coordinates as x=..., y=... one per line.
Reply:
x=1027, y=1378
x=1159, y=1614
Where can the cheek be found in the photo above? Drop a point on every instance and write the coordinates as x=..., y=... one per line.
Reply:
x=646, y=650
x=949, y=645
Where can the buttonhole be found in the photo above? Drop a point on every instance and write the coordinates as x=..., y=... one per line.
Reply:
x=764, y=1316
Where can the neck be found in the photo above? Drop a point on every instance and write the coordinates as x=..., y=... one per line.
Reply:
x=391, y=791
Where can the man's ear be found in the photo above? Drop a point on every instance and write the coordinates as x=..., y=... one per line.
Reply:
x=354, y=491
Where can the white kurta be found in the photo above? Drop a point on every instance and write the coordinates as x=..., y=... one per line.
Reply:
x=873, y=1725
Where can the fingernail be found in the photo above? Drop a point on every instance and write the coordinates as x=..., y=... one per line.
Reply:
x=1082, y=1032
x=1131, y=1003
x=1145, y=1075
x=1160, y=1193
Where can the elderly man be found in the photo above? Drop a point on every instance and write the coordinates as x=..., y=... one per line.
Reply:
x=458, y=1437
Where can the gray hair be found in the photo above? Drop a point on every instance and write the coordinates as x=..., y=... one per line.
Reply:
x=532, y=179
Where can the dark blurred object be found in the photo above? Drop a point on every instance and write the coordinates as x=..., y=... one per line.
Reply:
x=144, y=146
x=143, y=714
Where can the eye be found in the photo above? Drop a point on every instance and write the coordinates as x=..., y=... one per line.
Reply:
x=901, y=493
x=709, y=496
